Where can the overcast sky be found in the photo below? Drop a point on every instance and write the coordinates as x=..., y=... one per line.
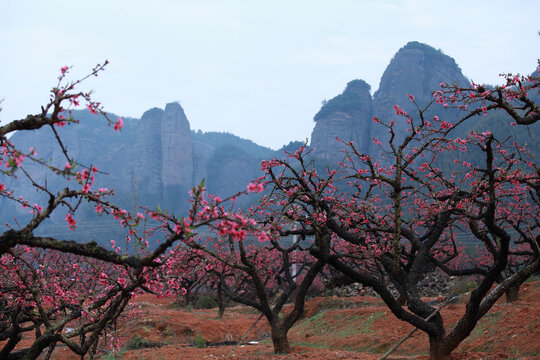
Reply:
x=256, y=69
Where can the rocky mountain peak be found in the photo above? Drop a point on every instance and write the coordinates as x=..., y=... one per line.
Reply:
x=162, y=156
x=416, y=69
x=347, y=117
x=152, y=113
x=357, y=87
x=177, y=158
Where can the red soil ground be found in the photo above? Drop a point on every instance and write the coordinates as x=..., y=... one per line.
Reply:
x=333, y=328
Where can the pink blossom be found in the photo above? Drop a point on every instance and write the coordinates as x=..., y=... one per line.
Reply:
x=91, y=108
x=64, y=69
x=103, y=278
x=263, y=237
x=71, y=221
x=118, y=125
x=256, y=188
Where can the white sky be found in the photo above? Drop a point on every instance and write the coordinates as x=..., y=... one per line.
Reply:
x=257, y=69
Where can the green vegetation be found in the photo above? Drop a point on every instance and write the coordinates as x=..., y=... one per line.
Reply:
x=366, y=325
x=205, y=302
x=347, y=325
x=113, y=356
x=139, y=342
x=199, y=341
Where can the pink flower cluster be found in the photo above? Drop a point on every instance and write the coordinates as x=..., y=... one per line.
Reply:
x=71, y=221
x=256, y=188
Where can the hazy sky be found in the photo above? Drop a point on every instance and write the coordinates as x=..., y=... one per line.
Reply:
x=257, y=69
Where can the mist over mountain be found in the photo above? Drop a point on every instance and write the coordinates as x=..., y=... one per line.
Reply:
x=156, y=159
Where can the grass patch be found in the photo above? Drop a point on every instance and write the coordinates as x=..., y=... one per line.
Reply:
x=338, y=304
x=138, y=342
x=113, y=356
x=312, y=345
x=487, y=323
x=199, y=341
x=535, y=277
x=346, y=326
x=366, y=326
x=484, y=329
x=316, y=320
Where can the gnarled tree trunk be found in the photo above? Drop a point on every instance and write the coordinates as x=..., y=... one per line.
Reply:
x=438, y=349
x=280, y=340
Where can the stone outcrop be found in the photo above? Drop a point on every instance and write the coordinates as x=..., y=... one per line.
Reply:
x=434, y=284
x=347, y=117
x=147, y=153
x=162, y=160
x=176, y=150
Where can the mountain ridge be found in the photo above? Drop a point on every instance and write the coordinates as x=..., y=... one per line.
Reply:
x=156, y=159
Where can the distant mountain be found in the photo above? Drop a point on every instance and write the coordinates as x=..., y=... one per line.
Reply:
x=226, y=161
x=155, y=160
x=217, y=139
x=416, y=69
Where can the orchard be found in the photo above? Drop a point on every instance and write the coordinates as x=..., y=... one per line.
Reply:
x=383, y=222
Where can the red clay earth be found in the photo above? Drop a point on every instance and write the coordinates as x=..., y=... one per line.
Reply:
x=332, y=328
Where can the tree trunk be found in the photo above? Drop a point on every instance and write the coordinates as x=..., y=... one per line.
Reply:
x=512, y=293
x=280, y=340
x=438, y=349
x=221, y=311
x=10, y=345
x=221, y=301
x=402, y=299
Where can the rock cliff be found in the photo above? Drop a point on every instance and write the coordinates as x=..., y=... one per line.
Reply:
x=162, y=162
x=176, y=148
x=154, y=161
x=347, y=117
x=147, y=154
